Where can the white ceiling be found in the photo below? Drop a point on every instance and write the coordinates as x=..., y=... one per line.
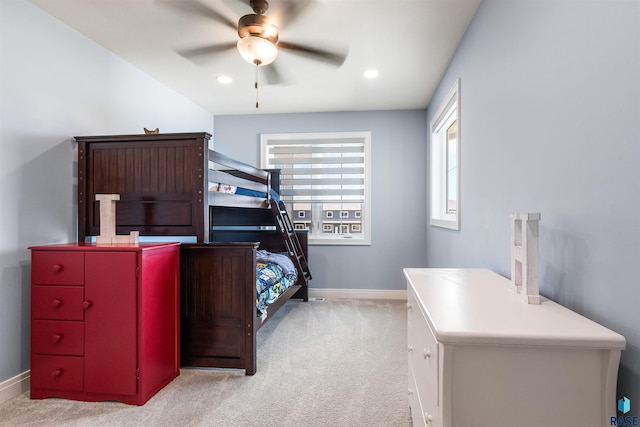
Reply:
x=410, y=43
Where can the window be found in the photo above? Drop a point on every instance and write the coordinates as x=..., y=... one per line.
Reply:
x=445, y=162
x=326, y=175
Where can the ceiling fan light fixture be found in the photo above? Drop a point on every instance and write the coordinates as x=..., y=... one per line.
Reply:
x=256, y=50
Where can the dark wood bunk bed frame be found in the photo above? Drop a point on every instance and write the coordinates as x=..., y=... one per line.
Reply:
x=163, y=182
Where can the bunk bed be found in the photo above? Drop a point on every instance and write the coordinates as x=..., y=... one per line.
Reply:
x=169, y=185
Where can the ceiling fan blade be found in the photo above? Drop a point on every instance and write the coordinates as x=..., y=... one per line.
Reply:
x=240, y=7
x=196, y=54
x=287, y=11
x=272, y=74
x=333, y=58
x=195, y=7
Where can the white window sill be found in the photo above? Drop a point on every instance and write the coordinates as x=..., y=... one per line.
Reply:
x=451, y=224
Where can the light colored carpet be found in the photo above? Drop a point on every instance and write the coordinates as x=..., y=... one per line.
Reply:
x=321, y=363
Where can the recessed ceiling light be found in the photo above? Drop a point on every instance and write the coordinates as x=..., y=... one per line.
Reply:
x=371, y=74
x=225, y=80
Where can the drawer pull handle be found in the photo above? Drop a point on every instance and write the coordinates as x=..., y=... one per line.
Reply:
x=87, y=304
x=426, y=353
x=56, y=337
x=428, y=417
x=56, y=303
x=409, y=348
x=408, y=306
x=57, y=372
x=57, y=268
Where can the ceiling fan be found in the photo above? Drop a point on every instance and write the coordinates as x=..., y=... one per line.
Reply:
x=259, y=41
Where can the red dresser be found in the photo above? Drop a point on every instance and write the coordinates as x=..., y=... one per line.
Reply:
x=104, y=321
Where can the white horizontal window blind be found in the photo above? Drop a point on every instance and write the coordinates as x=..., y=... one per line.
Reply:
x=324, y=180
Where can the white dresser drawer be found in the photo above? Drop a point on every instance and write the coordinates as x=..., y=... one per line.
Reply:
x=423, y=357
x=417, y=414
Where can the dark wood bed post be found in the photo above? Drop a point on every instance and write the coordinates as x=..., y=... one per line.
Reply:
x=202, y=200
x=82, y=191
x=250, y=320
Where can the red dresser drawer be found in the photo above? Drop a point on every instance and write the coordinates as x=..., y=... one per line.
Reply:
x=57, y=268
x=57, y=372
x=57, y=302
x=57, y=337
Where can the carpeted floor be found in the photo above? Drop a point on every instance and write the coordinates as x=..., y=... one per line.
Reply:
x=321, y=363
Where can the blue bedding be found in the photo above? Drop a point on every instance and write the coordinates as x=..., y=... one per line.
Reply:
x=274, y=275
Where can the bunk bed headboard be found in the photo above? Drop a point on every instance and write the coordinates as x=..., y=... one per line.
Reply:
x=161, y=179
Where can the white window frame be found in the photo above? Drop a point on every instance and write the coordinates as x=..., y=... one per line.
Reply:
x=318, y=237
x=448, y=112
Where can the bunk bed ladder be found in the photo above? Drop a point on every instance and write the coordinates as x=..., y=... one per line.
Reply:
x=289, y=237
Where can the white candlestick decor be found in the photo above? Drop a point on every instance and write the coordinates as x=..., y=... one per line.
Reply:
x=524, y=256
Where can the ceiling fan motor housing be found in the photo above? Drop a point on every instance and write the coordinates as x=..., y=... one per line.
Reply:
x=254, y=25
x=259, y=6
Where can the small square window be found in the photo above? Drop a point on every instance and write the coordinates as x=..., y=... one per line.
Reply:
x=302, y=214
x=327, y=227
x=355, y=227
x=358, y=214
x=329, y=214
x=344, y=214
x=300, y=226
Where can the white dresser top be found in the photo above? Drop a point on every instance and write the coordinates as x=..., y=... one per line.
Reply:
x=477, y=306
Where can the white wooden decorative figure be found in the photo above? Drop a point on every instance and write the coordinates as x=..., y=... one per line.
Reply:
x=524, y=256
x=108, y=222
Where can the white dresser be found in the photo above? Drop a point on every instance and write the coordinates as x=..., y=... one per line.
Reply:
x=480, y=356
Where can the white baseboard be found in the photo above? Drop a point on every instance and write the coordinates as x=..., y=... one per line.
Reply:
x=357, y=293
x=14, y=386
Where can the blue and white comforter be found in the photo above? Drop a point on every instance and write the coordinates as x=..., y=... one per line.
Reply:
x=275, y=273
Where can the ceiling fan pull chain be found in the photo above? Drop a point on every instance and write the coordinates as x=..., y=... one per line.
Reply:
x=256, y=84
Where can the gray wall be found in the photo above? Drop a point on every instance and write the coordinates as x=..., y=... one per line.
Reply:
x=550, y=123
x=54, y=84
x=398, y=177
